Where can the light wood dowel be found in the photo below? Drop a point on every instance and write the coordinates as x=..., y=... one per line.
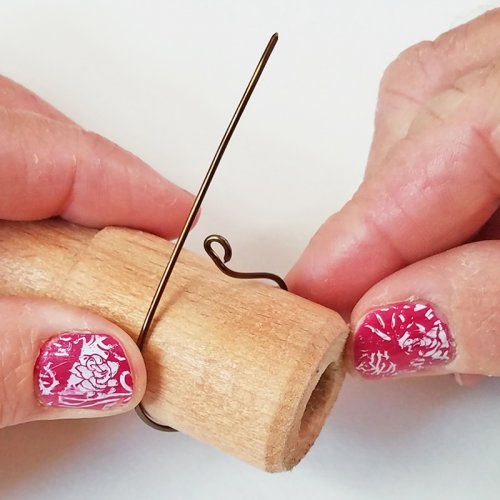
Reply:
x=244, y=366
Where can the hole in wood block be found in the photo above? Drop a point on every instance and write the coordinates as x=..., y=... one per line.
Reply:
x=316, y=410
x=318, y=406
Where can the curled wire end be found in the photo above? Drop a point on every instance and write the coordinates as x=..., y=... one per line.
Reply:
x=147, y=419
x=228, y=253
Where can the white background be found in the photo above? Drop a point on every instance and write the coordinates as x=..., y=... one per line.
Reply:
x=162, y=79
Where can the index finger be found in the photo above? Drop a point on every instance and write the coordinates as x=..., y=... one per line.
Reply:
x=53, y=168
x=437, y=190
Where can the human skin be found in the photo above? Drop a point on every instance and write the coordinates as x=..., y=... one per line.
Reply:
x=58, y=361
x=413, y=259
x=424, y=225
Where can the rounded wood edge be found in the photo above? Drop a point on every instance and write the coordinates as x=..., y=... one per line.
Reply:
x=309, y=414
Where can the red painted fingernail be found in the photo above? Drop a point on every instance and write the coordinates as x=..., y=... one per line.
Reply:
x=407, y=337
x=83, y=370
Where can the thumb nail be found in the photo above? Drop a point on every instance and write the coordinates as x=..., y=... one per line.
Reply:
x=83, y=370
x=402, y=338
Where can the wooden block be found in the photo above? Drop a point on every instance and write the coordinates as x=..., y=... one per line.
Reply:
x=244, y=366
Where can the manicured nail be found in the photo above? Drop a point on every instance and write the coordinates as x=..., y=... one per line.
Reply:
x=83, y=370
x=401, y=338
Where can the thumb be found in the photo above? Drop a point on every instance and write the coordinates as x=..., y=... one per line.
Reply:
x=433, y=190
x=437, y=316
x=58, y=361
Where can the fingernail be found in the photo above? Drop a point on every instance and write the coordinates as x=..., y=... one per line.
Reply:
x=83, y=370
x=402, y=338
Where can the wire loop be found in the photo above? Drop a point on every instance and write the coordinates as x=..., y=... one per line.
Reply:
x=228, y=253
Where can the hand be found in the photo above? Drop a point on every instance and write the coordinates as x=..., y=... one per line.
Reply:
x=419, y=239
x=57, y=361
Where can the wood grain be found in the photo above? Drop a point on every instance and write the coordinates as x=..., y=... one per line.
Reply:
x=249, y=368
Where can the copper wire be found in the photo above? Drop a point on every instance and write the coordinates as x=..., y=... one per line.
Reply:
x=141, y=411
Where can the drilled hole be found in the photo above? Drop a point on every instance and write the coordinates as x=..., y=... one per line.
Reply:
x=314, y=413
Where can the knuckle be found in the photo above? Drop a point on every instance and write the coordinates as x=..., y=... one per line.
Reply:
x=410, y=66
x=437, y=110
x=472, y=98
x=426, y=61
x=483, y=77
